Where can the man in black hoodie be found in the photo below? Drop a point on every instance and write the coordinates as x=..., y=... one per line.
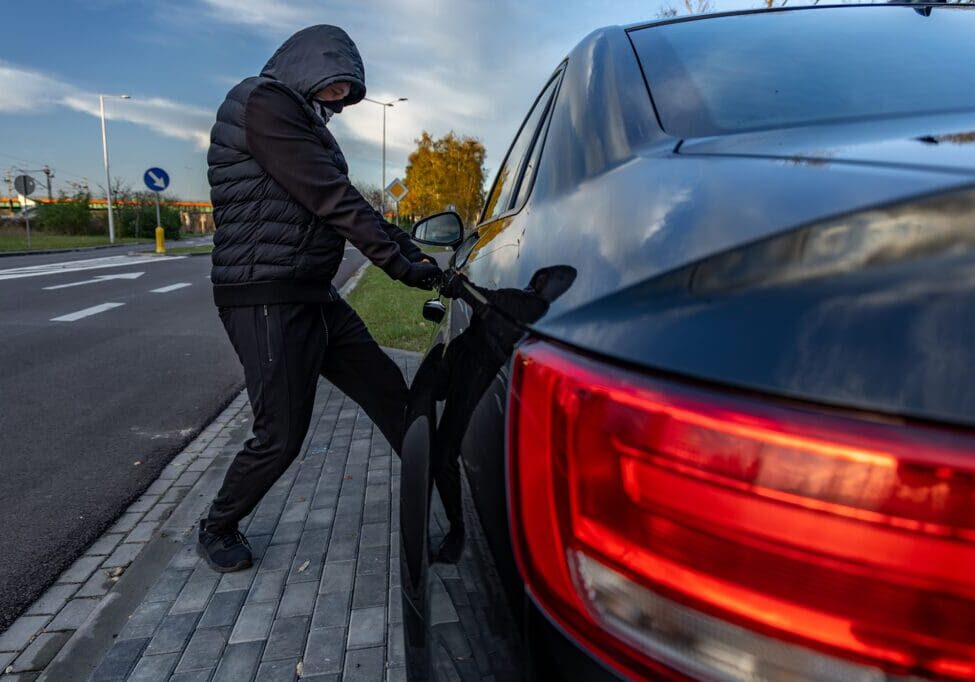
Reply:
x=284, y=209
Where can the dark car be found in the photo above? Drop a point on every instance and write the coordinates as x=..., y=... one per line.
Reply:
x=702, y=404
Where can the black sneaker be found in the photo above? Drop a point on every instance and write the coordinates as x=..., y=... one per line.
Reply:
x=225, y=551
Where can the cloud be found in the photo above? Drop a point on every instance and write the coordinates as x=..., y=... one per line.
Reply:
x=26, y=90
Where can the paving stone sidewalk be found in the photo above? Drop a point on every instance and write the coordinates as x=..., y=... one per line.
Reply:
x=322, y=600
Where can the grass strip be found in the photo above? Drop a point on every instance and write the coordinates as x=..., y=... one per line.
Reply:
x=40, y=241
x=392, y=311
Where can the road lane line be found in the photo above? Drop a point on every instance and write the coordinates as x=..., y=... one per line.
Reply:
x=94, y=310
x=171, y=287
x=98, y=278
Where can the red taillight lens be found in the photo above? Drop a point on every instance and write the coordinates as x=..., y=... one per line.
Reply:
x=723, y=536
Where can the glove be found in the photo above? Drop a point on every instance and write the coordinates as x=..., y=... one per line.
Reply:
x=422, y=276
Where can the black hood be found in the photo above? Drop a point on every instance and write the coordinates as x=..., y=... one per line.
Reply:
x=316, y=56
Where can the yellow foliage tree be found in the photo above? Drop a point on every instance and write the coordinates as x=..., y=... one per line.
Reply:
x=444, y=172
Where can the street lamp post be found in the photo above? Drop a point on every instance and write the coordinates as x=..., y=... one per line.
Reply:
x=108, y=176
x=384, y=105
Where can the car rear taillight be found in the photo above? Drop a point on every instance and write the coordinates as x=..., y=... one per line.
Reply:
x=675, y=530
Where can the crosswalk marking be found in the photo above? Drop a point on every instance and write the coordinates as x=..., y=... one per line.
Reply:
x=80, y=265
x=94, y=310
x=171, y=287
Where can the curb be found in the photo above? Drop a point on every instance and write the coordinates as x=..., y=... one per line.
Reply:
x=351, y=283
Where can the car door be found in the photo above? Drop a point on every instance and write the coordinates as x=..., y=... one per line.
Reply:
x=429, y=439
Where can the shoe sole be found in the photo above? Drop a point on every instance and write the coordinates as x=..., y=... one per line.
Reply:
x=243, y=565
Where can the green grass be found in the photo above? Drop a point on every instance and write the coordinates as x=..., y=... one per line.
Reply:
x=392, y=311
x=40, y=241
x=206, y=248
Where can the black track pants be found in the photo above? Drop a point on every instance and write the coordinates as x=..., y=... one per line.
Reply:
x=284, y=348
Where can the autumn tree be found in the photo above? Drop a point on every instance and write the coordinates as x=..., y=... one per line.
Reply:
x=444, y=172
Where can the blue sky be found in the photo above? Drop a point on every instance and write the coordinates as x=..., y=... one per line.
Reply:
x=469, y=66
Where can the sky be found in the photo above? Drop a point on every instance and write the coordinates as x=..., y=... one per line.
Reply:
x=468, y=66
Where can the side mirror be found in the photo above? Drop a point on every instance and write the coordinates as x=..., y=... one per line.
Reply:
x=440, y=229
x=434, y=310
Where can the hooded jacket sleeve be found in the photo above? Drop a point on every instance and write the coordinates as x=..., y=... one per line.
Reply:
x=281, y=141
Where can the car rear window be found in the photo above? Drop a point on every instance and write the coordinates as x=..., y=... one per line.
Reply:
x=778, y=69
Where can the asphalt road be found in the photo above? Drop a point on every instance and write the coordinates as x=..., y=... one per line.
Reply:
x=109, y=364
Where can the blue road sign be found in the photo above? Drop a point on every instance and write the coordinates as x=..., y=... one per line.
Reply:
x=156, y=179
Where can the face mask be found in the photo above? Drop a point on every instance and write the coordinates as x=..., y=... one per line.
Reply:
x=324, y=111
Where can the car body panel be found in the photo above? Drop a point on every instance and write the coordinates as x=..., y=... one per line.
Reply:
x=690, y=262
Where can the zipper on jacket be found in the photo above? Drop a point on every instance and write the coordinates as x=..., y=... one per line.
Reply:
x=267, y=329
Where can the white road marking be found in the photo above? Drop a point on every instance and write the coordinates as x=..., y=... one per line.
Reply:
x=94, y=310
x=98, y=278
x=171, y=287
x=80, y=265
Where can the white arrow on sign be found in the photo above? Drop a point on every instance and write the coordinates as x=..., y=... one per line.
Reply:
x=99, y=278
x=156, y=180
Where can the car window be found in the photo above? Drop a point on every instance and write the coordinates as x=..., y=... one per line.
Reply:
x=755, y=71
x=528, y=174
x=507, y=179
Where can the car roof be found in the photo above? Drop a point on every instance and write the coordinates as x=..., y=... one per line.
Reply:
x=790, y=8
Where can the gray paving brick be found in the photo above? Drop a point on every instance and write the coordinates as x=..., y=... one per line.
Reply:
x=287, y=638
x=372, y=560
x=81, y=569
x=324, y=651
x=24, y=677
x=331, y=610
x=126, y=522
x=124, y=554
x=238, y=580
x=278, y=557
x=320, y=518
x=287, y=532
x=298, y=600
x=158, y=487
x=195, y=676
x=367, y=627
x=74, y=613
x=97, y=585
x=395, y=646
x=185, y=558
x=144, y=620
x=119, y=660
x=337, y=577
x=104, y=545
x=203, y=650
x=223, y=609
x=268, y=586
x=398, y=675
x=174, y=495
x=52, y=600
x=154, y=668
x=341, y=548
x=195, y=595
x=277, y=671
x=40, y=652
x=374, y=535
x=370, y=590
x=167, y=587
x=254, y=622
x=20, y=632
x=142, y=532
x=143, y=504
x=239, y=662
x=160, y=512
x=6, y=659
x=364, y=665
x=187, y=478
x=173, y=633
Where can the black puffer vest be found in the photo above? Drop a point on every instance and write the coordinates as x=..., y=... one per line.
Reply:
x=268, y=248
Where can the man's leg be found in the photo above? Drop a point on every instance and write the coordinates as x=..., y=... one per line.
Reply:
x=359, y=368
x=281, y=348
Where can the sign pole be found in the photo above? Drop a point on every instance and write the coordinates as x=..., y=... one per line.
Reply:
x=27, y=220
x=158, y=219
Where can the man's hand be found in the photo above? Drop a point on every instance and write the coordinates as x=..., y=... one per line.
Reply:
x=422, y=275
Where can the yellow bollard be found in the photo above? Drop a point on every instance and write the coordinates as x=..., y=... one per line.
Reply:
x=160, y=240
